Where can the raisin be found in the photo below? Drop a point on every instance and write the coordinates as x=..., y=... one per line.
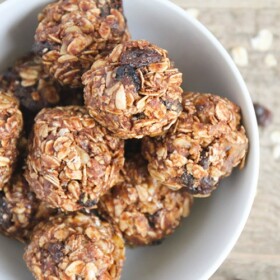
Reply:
x=5, y=214
x=127, y=74
x=204, y=159
x=86, y=202
x=138, y=58
x=187, y=180
x=55, y=251
x=105, y=10
x=10, y=75
x=264, y=115
x=116, y=4
x=111, y=4
x=42, y=47
x=206, y=185
x=173, y=106
x=138, y=116
x=152, y=220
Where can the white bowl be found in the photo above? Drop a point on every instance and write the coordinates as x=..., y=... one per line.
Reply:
x=199, y=247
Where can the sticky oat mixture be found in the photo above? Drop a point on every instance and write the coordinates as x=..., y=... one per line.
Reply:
x=143, y=209
x=20, y=210
x=72, y=33
x=204, y=146
x=72, y=160
x=75, y=246
x=135, y=91
x=11, y=124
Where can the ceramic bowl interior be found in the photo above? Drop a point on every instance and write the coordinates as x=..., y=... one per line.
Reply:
x=204, y=240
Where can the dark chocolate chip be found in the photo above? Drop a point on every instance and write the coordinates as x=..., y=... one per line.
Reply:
x=86, y=202
x=204, y=159
x=264, y=115
x=128, y=74
x=140, y=57
x=5, y=214
x=56, y=251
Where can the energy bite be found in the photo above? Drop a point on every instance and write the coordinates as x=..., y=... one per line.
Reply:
x=11, y=124
x=135, y=91
x=206, y=143
x=20, y=211
x=72, y=33
x=143, y=209
x=75, y=246
x=28, y=82
x=72, y=160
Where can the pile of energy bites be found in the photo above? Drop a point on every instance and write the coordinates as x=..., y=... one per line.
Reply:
x=100, y=146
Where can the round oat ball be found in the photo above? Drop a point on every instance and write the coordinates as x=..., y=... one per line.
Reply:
x=11, y=124
x=75, y=246
x=72, y=160
x=72, y=33
x=28, y=82
x=20, y=211
x=143, y=209
x=206, y=143
x=135, y=91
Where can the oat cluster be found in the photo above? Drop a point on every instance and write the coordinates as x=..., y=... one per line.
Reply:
x=20, y=210
x=72, y=160
x=72, y=33
x=135, y=91
x=75, y=246
x=10, y=130
x=28, y=82
x=143, y=209
x=206, y=143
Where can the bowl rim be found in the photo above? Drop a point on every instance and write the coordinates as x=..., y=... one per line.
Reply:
x=254, y=145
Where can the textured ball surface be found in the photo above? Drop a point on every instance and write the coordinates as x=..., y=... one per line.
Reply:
x=72, y=160
x=72, y=33
x=205, y=144
x=75, y=246
x=20, y=211
x=135, y=91
x=11, y=124
x=143, y=209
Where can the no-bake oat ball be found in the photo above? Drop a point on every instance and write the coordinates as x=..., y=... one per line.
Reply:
x=72, y=160
x=143, y=209
x=20, y=211
x=28, y=82
x=11, y=124
x=72, y=33
x=205, y=144
x=135, y=91
x=75, y=246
